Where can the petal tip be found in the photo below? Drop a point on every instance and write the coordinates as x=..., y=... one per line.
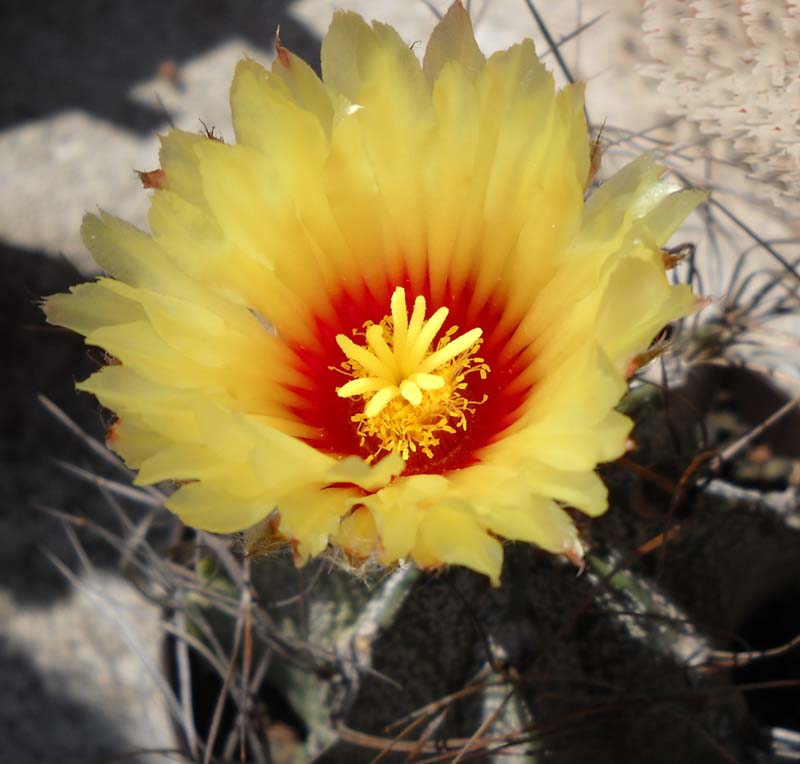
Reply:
x=453, y=39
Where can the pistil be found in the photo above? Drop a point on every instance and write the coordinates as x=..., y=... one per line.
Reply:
x=413, y=391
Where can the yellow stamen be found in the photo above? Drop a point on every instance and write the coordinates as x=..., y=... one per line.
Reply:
x=412, y=392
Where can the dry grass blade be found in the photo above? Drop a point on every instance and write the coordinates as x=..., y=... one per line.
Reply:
x=763, y=243
x=729, y=659
x=487, y=722
x=247, y=662
x=427, y=733
x=740, y=443
x=447, y=748
x=223, y=554
x=136, y=756
x=553, y=45
x=150, y=567
x=261, y=753
x=108, y=610
x=91, y=443
x=407, y=730
x=135, y=533
x=659, y=540
x=185, y=684
x=181, y=633
x=136, y=538
x=149, y=498
x=238, y=632
x=476, y=684
x=432, y=8
x=573, y=34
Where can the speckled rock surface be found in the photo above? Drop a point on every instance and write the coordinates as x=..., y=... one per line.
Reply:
x=81, y=677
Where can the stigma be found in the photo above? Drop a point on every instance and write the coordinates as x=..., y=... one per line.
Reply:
x=414, y=387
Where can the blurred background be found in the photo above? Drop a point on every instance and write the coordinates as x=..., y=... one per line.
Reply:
x=87, y=87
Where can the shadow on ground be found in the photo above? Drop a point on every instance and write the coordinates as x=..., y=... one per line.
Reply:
x=40, y=359
x=32, y=703
x=85, y=55
x=88, y=54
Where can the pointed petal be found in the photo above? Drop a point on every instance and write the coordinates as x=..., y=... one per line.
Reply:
x=357, y=534
x=537, y=520
x=179, y=163
x=453, y=39
x=312, y=518
x=89, y=306
x=452, y=536
x=305, y=88
x=214, y=511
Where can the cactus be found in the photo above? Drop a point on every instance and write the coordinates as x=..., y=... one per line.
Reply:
x=635, y=657
x=631, y=655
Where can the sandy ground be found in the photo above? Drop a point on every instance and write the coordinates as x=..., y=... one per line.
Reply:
x=88, y=86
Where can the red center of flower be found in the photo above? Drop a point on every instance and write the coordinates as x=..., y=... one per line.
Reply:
x=400, y=373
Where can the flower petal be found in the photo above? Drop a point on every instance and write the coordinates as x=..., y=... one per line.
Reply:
x=453, y=39
x=312, y=517
x=536, y=520
x=357, y=57
x=303, y=85
x=179, y=163
x=451, y=535
x=199, y=506
x=89, y=306
x=370, y=477
x=398, y=509
x=639, y=301
x=261, y=339
x=357, y=534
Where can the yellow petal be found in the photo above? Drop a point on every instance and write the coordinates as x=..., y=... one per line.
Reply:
x=179, y=163
x=89, y=306
x=303, y=85
x=639, y=301
x=456, y=186
x=575, y=448
x=215, y=511
x=536, y=520
x=583, y=490
x=662, y=221
x=397, y=510
x=370, y=477
x=357, y=534
x=122, y=389
x=267, y=118
x=182, y=462
x=453, y=40
x=570, y=103
x=312, y=518
x=126, y=253
x=612, y=209
x=242, y=187
x=373, y=68
x=286, y=464
x=136, y=443
x=199, y=248
x=449, y=535
x=356, y=56
x=521, y=175
x=449, y=163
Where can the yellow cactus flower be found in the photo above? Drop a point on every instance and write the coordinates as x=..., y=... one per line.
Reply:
x=386, y=319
